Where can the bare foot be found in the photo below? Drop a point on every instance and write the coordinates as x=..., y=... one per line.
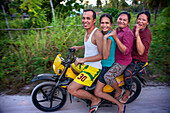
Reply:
x=121, y=108
x=118, y=94
x=95, y=103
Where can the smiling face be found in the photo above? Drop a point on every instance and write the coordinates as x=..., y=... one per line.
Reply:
x=105, y=24
x=142, y=21
x=122, y=21
x=88, y=20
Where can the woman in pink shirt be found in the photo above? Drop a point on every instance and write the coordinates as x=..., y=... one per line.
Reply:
x=123, y=37
x=140, y=51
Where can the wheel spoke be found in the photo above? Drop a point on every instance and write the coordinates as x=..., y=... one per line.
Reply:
x=43, y=93
x=133, y=91
x=42, y=100
x=57, y=98
x=51, y=103
x=45, y=100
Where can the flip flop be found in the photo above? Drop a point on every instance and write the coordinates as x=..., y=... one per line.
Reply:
x=123, y=109
x=94, y=110
x=96, y=107
x=124, y=101
x=118, y=98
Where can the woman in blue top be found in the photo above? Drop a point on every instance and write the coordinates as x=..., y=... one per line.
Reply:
x=109, y=46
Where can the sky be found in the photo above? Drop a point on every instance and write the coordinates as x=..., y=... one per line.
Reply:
x=93, y=2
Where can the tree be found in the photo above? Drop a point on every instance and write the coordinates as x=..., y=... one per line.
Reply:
x=123, y=4
x=160, y=50
x=115, y=3
x=143, y=2
x=157, y=4
x=113, y=12
x=86, y=2
x=99, y=3
x=134, y=3
x=40, y=10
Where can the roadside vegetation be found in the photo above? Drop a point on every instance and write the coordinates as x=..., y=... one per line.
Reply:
x=31, y=52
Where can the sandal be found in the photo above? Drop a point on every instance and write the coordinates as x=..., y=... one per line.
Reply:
x=124, y=101
x=118, y=98
x=94, y=110
x=123, y=109
x=96, y=107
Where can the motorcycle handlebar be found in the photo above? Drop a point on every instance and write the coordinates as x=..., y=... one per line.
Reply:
x=72, y=50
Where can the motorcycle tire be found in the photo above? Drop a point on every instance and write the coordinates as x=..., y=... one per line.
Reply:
x=40, y=97
x=136, y=89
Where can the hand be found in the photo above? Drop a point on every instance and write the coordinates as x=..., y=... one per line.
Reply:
x=105, y=37
x=75, y=47
x=79, y=61
x=112, y=33
x=138, y=27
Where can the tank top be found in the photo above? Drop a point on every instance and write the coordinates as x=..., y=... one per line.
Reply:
x=111, y=59
x=91, y=50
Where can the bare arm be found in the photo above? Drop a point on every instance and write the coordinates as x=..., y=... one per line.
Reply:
x=78, y=47
x=139, y=45
x=106, y=47
x=97, y=39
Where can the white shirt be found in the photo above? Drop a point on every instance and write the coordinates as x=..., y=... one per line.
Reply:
x=91, y=50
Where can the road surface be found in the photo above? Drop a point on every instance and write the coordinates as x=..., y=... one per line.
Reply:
x=151, y=100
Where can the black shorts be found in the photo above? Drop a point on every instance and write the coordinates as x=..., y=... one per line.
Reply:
x=101, y=76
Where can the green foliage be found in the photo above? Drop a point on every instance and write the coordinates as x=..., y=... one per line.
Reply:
x=98, y=3
x=32, y=52
x=163, y=78
x=36, y=12
x=160, y=50
x=64, y=11
x=40, y=11
x=113, y=12
x=157, y=3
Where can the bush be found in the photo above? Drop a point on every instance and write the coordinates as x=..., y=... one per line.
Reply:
x=32, y=52
x=160, y=50
x=113, y=12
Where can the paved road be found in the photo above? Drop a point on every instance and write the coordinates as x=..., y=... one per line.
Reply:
x=151, y=100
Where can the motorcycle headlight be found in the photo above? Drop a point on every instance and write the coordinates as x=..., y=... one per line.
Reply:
x=53, y=67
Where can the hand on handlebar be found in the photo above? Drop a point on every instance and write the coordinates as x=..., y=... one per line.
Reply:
x=79, y=61
x=75, y=47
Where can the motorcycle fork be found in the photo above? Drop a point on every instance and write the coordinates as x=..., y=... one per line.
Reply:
x=57, y=82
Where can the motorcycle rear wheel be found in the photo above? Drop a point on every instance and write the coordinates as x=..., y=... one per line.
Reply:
x=136, y=89
x=41, y=100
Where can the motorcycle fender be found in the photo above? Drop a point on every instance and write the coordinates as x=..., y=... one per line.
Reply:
x=51, y=77
x=120, y=81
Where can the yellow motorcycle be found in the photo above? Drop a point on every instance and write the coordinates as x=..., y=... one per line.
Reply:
x=51, y=94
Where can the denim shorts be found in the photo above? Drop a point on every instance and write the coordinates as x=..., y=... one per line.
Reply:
x=101, y=76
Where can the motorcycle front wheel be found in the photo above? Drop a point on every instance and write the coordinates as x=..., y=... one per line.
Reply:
x=136, y=89
x=44, y=100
